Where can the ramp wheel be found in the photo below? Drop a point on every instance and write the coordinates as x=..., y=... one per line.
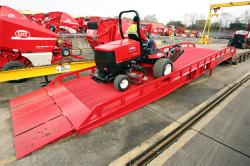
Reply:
x=65, y=52
x=235, y=62
x=12, y=65
x=162, y=67
x=121, y=82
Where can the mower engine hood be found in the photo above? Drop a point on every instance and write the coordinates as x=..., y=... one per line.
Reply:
x=125, y=49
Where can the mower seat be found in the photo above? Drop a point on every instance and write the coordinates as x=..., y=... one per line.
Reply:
x=146, y=50
x=133, y=36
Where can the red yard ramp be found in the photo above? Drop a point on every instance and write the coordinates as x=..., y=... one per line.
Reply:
x=81, y=104
x=37, y=121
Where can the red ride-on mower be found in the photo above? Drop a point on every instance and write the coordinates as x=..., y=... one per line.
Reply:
x=128, y=60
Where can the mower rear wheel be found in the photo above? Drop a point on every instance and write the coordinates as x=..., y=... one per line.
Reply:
x=162, y=67
x=12, y=65
x=121, y=82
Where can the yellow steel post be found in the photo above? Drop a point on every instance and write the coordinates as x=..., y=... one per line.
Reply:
x=204, y=38
x=209, y=26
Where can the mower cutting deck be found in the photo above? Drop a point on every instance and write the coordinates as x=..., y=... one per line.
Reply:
x=81, y=104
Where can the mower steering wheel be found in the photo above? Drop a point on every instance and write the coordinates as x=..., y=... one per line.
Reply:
x=174, y=52
x=171, y=49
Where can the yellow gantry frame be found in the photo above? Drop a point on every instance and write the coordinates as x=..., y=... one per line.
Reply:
x=205, y=38
x=43, y=70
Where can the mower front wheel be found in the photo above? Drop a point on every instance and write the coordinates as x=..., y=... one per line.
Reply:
x=121, y=82
x=162, y=67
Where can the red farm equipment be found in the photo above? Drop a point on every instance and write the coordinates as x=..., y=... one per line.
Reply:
x=170, y=31
x=149, y=28
x=194, y=34
x=81, y=105
x=92, y=18
x=159, y=28
x=37, y=18
x=59, y=22
x=11, y=13
x=180, y=31
x=83, y=21
x=104, y=30
x=152, y=28
x=160, y=31
x=24, y=43
x=82, y=24
x=241, y=39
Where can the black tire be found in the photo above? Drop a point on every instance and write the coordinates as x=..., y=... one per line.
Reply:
x=52, y=28
x=240, y=59
x=65, y=52
x=12, y=65
x=121, y=82
x=243, y=46
x=159, y=68
x=229, y=43
x=96, y=73
x=235, y=62
x=243, y=58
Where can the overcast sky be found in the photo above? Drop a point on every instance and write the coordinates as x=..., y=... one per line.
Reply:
x=165, y=10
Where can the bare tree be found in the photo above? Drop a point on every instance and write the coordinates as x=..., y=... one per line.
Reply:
x=201, y=17
x=186, y=20
x=190, y=19
x=193, y=17
x=224, y=20
x=246, y=17
x=227, y=18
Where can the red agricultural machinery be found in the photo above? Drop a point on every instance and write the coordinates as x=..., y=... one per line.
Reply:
x=11, y=13
x=150, y=28
x=37, y=18
x=59, y=22
x=24, y=43
x=160, y=31
x=104, y=30
x=82, y=24
x=170, y=31
x=241, y=39
x=83, y=21
x=188, y=33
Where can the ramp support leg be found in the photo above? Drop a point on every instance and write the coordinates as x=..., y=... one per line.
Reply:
x=210, y=72
x=46, y=81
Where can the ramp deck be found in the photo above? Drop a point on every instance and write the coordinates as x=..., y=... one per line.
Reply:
x=81, y=104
